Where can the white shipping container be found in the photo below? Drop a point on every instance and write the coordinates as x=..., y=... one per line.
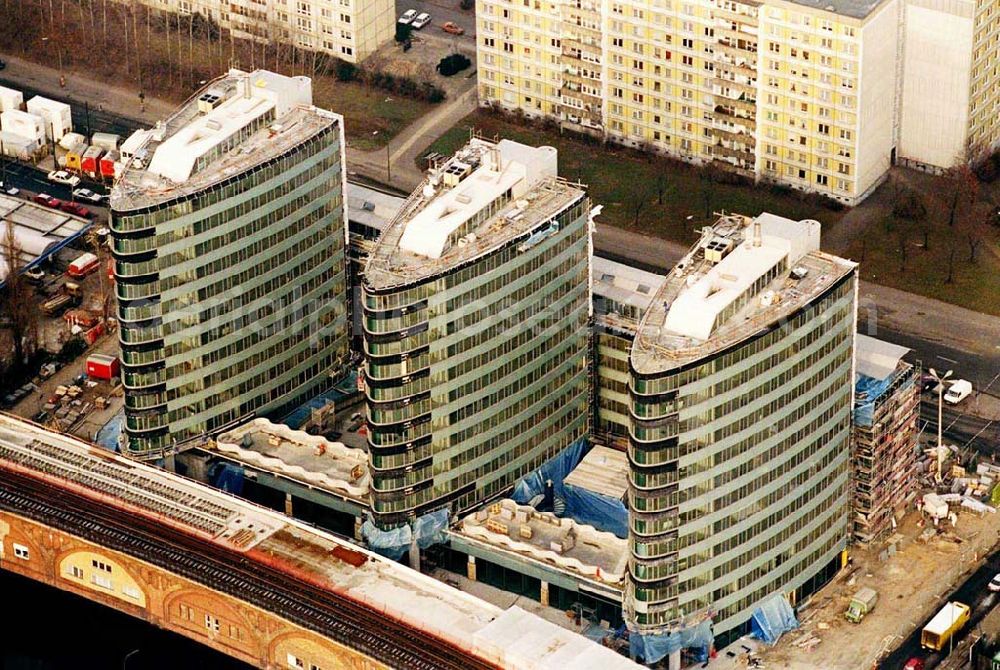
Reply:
x=24, y=124
x=57, y=115
x=10, y=99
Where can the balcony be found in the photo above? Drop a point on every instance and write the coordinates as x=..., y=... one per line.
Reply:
x=134, y=246
x=144, y=400
x=138, y=380
x=133, y=335
x=143, y=312
x=131, y=357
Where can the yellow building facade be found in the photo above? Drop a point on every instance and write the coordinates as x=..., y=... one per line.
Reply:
x=800, y=92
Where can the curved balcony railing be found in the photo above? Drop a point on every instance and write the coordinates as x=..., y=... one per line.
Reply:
x=145, y=400
x=128, y=291
x=127, y=269
x=133, y=335
x=138, y=380
x=379, y=438
x=142, y=312
x=145, y=422
x=132, y=357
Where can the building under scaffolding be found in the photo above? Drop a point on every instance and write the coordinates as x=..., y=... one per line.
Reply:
x=883, y=445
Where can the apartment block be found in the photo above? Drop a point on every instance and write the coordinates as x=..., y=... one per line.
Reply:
x=951, y=83
x=741, y=387
x=228, y=236
x=884, y=440
x=476, y=307
x=801, y=92
x=348, y=29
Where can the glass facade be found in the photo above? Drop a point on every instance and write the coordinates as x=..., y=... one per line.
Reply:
x=478, y=374
x=739, y=469
x=232, y=299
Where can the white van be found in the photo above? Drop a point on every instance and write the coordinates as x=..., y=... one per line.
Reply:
x=959, y=391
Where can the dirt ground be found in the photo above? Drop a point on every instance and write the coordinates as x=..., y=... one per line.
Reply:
x=905, y=598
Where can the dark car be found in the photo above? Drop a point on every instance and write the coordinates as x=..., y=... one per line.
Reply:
x=76, y=209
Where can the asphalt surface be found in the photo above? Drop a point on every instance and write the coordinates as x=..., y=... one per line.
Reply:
x=441, y=12
x=88, y=117
x=972, y=592
x=32, y=180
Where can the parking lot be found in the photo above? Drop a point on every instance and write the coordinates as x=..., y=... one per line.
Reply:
x=443, y=11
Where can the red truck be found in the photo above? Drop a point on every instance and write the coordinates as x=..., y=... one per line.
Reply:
x=83, y=265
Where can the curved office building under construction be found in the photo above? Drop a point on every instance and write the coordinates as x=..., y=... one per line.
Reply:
x=741, y=395
x=476, y=305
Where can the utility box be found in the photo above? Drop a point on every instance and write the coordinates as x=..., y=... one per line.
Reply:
x=102, y=366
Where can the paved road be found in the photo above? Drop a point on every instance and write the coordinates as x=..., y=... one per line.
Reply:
x=31, y=180
x=972, y=592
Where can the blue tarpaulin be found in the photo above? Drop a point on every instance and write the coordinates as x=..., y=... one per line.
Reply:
x=772, y=619
x=868, y=391
x=107, y=436
x=652, y=648
x=227, y=477
x=586, y=507
x=344, y=388
x=429, y=530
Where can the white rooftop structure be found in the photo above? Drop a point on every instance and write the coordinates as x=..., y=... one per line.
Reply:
x=506, y=166
x=265, y=95
x=484, y=196
x=741, y=276
x=877, y=358
x=519, y=640
x=234, y=123
x=696, y=311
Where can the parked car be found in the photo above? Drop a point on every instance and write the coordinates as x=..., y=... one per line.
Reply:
x=34, y=275
x=47, y=200
x=423, y=18
x=407, y=17
x=453, y=28
x=87, y=194
x=994, y=584
x=8, y=189
x=76, y=209
x=914, y=664
x=63, y=177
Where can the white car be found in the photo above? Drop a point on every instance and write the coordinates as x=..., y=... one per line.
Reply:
x=994, y=584
x=422, y=20
x=63, y=177
x=9, y=190
x=87, y=194
x=408, y=16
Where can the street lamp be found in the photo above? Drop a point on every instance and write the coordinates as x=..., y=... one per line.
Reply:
x=128, y=656
x=388, y=167
x=940, y=379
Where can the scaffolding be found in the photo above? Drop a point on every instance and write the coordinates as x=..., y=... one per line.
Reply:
x=883, y=450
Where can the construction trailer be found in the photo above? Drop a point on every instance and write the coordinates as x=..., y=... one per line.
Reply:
x=883, y=444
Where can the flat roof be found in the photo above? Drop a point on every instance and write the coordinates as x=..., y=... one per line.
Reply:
x=602, y=470
x=234, y=123
x=487, y=194
x=430, y=606
x=877, y=358
x=597, y=555
x=40, y=231
x=371, y=207
x=741, y=276
x=623, y=283
x=311, y=459
x=855, y=9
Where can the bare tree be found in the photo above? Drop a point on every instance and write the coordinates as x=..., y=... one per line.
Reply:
x=21, y=311
x=963, y=188
x=637, y=203
x=952, y=250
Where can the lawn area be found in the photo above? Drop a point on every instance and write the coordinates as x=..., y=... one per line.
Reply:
x=629, y=186
x=366, y=110
x=647, y=194
x=879, y=245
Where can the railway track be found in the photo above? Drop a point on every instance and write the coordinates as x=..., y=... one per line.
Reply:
x=332, y=615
